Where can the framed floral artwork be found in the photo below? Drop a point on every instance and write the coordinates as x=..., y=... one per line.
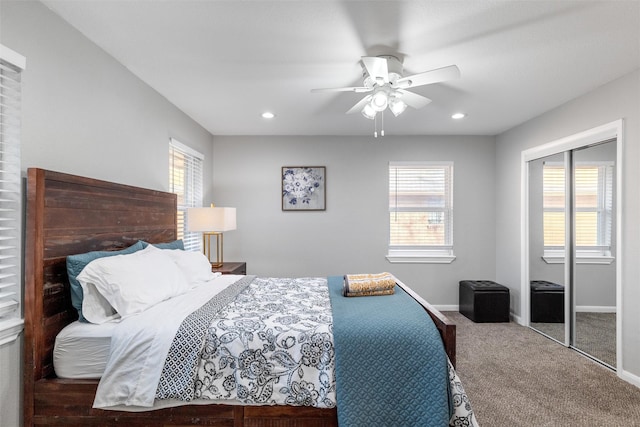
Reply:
x=304, y=188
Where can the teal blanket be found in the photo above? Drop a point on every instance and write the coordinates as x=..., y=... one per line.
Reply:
x=391, y=367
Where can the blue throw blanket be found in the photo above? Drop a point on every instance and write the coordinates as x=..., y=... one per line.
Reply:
x=391, y=367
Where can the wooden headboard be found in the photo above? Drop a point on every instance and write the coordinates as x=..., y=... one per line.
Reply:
x=68, y=214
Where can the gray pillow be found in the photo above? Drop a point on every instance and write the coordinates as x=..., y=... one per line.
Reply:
x=176, y=244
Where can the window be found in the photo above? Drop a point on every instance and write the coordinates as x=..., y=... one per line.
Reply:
x=11, y=66
x=185, y=179
x=421, y=212
x=593, y=190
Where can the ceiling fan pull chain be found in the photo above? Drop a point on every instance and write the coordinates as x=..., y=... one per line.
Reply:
x=375, y=126
x=382, y=125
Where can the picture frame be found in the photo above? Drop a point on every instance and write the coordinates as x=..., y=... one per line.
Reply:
x=304, y=188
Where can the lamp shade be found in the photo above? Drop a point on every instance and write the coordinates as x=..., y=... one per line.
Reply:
x=397, y=106
x=211, y=219
x=368, y=111
x=380, y=100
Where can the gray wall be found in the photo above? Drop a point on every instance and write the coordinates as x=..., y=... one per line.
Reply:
x=86, y=114
x=618, y=99
x=351, y=235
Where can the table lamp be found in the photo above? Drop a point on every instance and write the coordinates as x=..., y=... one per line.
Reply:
x=212, y=221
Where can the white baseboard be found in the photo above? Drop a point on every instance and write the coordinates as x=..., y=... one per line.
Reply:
x=455, y=307
x=447, y=307
x=629, y=377
x=595, y=309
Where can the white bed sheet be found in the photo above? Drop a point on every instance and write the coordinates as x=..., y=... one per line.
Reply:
x=81, y=350
x=140, y=343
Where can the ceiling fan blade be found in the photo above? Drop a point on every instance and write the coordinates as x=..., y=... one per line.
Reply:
x=358, y=107
x=343, y=89
x=376, y=67
x=428, y=77
x=412, y=99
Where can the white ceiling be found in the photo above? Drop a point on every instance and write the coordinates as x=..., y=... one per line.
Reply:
x=225, y=62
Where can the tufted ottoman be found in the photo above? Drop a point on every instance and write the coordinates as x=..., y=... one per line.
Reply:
x=547, y=302
x=484, y=301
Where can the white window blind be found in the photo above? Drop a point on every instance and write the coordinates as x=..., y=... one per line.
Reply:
x=420, y=211
x=553, y=205
x=593, y=190
x=185, y=179
x=11, y=66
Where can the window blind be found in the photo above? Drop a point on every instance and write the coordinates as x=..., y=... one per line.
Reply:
x=594, y=201
x=185, y=179
x=10, y=194
x=553, y=205
x=593, y=191
x=421, y=205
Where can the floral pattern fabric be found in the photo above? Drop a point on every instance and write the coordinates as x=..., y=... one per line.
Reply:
x=272, y=345
x=462, y=413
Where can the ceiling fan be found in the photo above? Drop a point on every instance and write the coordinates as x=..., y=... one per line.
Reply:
x=387, y=87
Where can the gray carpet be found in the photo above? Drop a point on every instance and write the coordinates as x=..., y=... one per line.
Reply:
x=595, y=334
x=517, y=377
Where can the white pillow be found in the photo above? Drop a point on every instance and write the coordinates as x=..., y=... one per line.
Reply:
x=98, y=308
x=194, y=265
x=132, y=283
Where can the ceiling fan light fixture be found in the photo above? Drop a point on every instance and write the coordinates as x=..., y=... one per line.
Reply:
x=368, y=111
x=397, y=107
x=380, y=100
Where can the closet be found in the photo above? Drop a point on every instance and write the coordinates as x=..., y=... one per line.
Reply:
x=571, y=282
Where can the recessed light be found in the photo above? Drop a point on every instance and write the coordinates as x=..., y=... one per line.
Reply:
x=458, y=116
x=268, y=115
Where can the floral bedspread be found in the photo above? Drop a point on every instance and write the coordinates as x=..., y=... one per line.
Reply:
x=272, y=345
x=268, y=341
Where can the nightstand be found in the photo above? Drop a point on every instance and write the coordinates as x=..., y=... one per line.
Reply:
x=231, y=268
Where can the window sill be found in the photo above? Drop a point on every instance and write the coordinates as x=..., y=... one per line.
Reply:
x=9, y=330
x=604, y=260
x=420, y=257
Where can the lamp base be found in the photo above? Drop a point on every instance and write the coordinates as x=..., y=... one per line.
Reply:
x=206, y=247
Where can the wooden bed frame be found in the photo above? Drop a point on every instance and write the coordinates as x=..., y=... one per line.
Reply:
x=68, y=214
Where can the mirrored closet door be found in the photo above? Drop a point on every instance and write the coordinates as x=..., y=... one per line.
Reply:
x=547, y=198
x=594, y=268
x=572, y=248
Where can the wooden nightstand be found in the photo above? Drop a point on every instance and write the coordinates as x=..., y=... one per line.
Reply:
x=231, y=268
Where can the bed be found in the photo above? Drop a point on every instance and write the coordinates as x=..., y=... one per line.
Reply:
x=67, y=215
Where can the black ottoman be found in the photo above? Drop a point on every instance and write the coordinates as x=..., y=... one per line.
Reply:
x=547, y=302
x=484, y=301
